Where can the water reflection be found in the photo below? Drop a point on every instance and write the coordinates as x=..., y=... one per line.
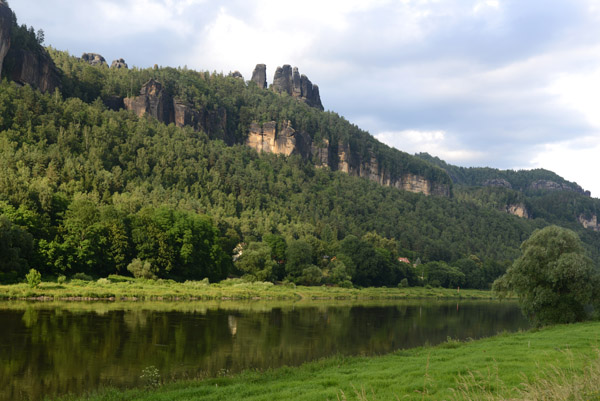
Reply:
x=52, y=349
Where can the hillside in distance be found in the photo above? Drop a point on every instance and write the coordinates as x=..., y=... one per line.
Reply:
x=177, y=174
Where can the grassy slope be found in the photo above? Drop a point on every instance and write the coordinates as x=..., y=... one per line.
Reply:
x=165, y=290
x=493, y=368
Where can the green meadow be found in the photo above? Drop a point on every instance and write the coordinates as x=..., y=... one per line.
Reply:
x=554, y=363
x=124, y=288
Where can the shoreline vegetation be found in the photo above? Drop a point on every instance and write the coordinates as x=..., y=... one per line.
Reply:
x=117, y=288
x=558, y=363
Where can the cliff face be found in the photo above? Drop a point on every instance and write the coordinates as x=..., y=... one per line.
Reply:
x=5, y=26
x=259, y=76
x=154, y=101
x=591, y=223
x=554, y=186
x=36, y=69
x=518, y=210
x=286, y=141
x=290, y=81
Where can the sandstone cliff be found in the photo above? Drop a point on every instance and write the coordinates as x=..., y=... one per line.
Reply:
x=591, y=223
x=554, y=186
x=290, y=81
x=120, y=63
x=285, y=141
x=5, y=27
x=497, y=182
x=93, y=59
x=34, y=68
x=154, y=101
x=268, y=137
x=259, y=76
x=518, y=210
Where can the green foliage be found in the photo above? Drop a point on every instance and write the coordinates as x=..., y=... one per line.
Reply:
x=256, y=261
x=34, y=278
x=553, y=278
x=142, y=269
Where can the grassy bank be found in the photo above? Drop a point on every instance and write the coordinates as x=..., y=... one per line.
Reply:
x=554, y=363
x=228, y=289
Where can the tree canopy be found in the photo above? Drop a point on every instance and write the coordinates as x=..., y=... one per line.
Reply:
x=553, y=277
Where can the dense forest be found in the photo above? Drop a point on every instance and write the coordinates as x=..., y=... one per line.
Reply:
x=88, y=189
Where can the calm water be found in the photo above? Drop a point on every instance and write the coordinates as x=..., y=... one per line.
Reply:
x=50, y=349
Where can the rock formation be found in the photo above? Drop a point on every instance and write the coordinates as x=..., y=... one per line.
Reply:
x=591, y=223
x=154, y=101
x=120, y=63
x=5, y=27
x=93, y=59
x=259, y=76
x=290, y=81
x=236, y=74
x=35, y=68
x=554, y=186
x=497, y=182
x=286, y=141
x=518, y=210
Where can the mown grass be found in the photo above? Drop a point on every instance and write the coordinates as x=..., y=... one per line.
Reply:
x=555, y=363
x=229, y=289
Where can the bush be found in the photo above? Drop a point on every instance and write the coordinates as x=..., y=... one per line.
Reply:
x=34, y=278
x=82, y=277
x=142, y=269
x=403, y=283
x=61, y=279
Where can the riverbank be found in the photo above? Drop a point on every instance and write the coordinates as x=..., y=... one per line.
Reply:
x=158, y=290
x=560, y=362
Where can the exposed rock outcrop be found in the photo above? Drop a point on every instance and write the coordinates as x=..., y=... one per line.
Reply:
x=518, y=210
x=237, y=74
x=154, y=101
x=286, y=141
x=554, y=186
x=591, y=223
x=497, y=182
x=120, y=63
x=290, y=81
x=35, y=68
x=93, y=59
x=5, y=27
x=259, y=75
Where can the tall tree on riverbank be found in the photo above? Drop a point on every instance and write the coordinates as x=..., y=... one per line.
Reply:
x=553, y=277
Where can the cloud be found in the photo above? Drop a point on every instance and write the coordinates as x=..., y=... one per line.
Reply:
x=437, y=143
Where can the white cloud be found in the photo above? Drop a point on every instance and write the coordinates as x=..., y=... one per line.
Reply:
x=580, y=92
x=575, y=160
x=436, y=143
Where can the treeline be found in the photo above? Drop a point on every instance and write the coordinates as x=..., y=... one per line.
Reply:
x=89, y=190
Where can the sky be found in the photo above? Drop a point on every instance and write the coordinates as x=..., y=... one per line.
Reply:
x=509, y=84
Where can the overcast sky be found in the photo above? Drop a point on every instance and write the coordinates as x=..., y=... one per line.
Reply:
x=499, y=83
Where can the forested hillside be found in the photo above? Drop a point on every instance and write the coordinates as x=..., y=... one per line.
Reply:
x=88, y=187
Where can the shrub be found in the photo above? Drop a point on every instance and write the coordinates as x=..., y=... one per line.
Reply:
x=34, y=278
x=142, y=269
x=82, y=277
x=61, y=279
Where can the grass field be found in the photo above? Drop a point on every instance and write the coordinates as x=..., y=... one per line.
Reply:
x=140, y=289
x=555, y=363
